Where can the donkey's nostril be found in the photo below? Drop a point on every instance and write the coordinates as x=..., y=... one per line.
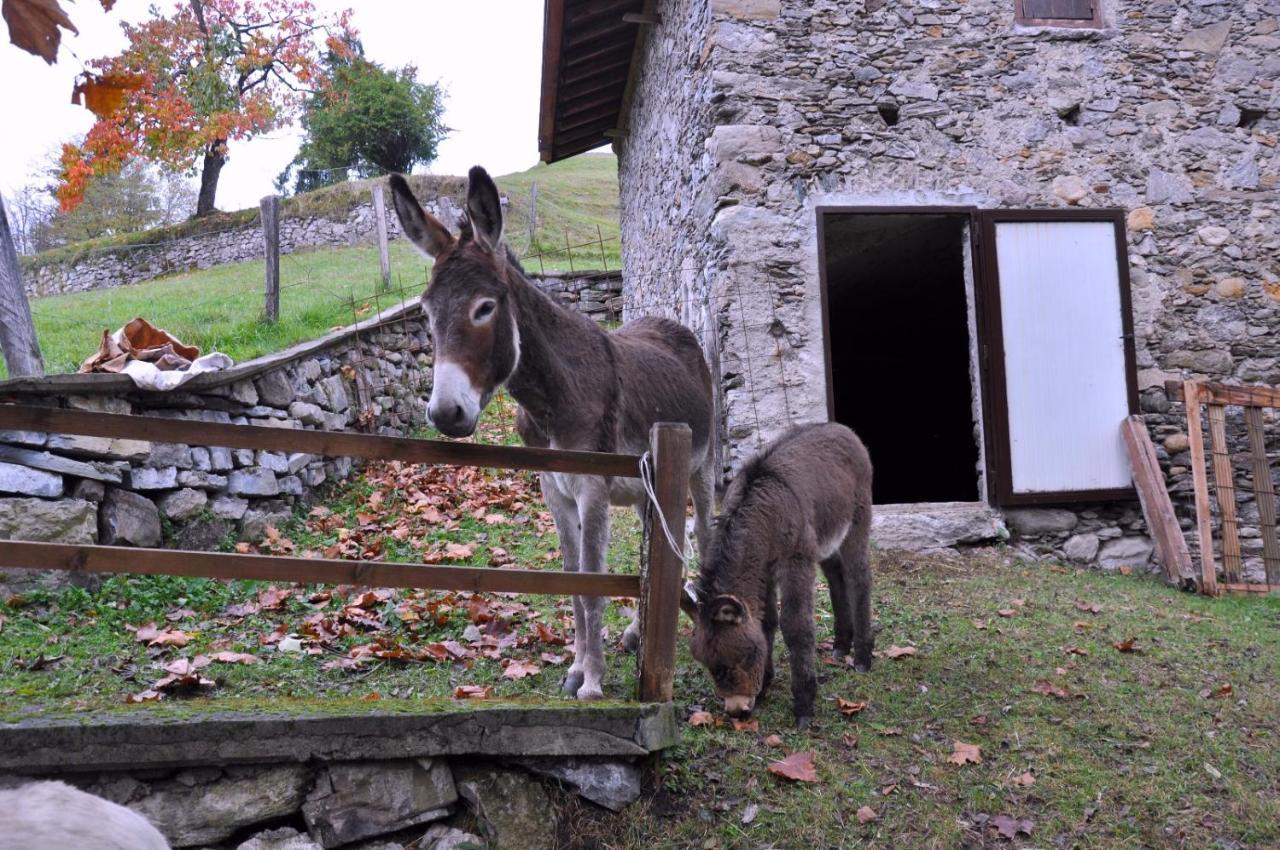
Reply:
x=457, y=413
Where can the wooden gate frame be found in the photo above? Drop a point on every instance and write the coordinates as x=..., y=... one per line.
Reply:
x=1252, y=399
x=657, y=587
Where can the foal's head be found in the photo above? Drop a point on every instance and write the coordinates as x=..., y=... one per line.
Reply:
x=467, y=302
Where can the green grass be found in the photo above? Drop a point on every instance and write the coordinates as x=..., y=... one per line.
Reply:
x=1146, y=751
x=220, y=308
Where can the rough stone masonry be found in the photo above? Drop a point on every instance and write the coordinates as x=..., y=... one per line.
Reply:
x=748, y=114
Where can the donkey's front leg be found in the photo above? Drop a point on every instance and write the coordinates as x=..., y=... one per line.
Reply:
x=564, y=510
x=593, y=515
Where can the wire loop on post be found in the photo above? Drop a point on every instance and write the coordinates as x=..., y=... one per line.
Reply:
x=646, y=478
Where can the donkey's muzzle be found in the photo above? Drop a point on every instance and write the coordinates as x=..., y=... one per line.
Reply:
x=738, y=706
x=452, y=420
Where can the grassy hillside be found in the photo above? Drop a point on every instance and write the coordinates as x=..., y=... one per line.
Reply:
x=219, y=308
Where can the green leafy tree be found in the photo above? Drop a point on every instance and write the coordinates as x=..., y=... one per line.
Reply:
x=368, y=120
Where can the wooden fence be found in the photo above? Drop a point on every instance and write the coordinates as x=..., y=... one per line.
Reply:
x=657, y=587
x=1216, y=397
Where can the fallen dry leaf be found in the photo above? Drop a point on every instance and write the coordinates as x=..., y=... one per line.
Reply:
x=900, y=651
x=1007, y=612
x=849, y=708
x=516, y=669
x=751, y=724
x=965, y=754
x=980, y=625
x=701, y=718
x=472, y=692
x=1222, y=692
x=773, y=741
x=1009, y=827
x=1089, y=607
x=866, y=814
x=886, y=790
x=1049, y=689
x=749, y=813
x=1127, y=645
x=1025, y=780
x=797, y=767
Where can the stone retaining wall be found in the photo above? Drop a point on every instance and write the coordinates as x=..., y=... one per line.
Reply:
x=497, y=777
x=375, y=376
x=118, y=266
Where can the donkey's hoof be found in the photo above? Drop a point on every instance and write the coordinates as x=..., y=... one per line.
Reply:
x=585, y=694
x=572, y=682
x=631, y=639
x=802, y=722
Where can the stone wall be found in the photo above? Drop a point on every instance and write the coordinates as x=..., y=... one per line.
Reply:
x=375, y=376
x=1169, y=113
x=76, y=489
x=108, y=267
x=427, y=775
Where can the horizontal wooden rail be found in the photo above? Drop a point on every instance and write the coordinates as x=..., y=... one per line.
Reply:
x=328, y=443
x=1255, y=396
x=176, y=562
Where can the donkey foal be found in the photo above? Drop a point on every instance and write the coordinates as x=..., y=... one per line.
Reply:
x=805, y=499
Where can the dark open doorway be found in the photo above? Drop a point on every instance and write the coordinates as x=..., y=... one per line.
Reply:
x=898, y=330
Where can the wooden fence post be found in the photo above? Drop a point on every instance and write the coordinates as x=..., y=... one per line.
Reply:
x=270, y=206
x=670, y=444
x=380, y=216
x=1200, y=481
x=17, y=330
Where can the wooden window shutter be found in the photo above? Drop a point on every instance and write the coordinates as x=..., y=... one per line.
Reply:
x=1058, y=10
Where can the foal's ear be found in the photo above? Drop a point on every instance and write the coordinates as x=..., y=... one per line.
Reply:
x=484, y=208
x=425, y=231
x=727, y=610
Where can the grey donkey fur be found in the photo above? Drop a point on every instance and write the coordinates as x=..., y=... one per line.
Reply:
x=804, y=499
x=578, y=388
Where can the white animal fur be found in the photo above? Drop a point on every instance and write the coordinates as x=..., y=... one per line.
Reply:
x=55, y=816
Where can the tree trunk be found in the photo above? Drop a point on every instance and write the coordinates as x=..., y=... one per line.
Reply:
x=17, y=331
x=213, y=163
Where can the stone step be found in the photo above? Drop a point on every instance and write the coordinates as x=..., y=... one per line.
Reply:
x=936, y=525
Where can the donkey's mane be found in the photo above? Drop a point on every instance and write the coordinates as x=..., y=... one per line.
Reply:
x=756, y=489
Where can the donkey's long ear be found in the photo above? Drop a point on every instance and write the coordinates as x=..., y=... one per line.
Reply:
x=727, y=610
x=484, y=208
x=425, y=231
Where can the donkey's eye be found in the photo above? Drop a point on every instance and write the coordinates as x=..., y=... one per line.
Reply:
x=483, y=311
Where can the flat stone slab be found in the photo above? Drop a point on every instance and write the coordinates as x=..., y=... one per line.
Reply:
x=139, y=740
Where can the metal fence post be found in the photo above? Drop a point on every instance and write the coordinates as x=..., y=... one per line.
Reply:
x=270, y=206
x=380, y=216
x=670, y=444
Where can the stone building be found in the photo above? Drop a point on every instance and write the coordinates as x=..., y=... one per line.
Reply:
x=981, y=233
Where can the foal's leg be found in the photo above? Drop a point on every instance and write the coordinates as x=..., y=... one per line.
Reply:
x=565, y=513
x=631, y=637
x=769, y=620
x=593, y=515
x=855, y=552
x=796, y=591
x=833, y=568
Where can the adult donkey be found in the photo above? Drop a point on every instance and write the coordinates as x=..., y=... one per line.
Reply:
x=578, y=388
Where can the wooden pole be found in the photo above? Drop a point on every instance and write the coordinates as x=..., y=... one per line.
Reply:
x=1171, y=546
x=670, y=444
x=17, y=330
x=270, y=206
x=1264, y=490
x=1224, y=486
x=380, y=216
x=1200, y=479
x=533, y=214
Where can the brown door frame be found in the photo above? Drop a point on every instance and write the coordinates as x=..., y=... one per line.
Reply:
x=998, y=473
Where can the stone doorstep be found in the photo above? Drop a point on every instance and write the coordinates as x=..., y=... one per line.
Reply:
x=140, y=740
x=936, y=525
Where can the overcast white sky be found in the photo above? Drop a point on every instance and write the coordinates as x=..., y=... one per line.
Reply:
x=486, y=52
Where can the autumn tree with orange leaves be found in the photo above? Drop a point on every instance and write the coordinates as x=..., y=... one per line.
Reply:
x=188, y=85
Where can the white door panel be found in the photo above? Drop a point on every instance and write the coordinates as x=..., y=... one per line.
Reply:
x=1064, y=355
